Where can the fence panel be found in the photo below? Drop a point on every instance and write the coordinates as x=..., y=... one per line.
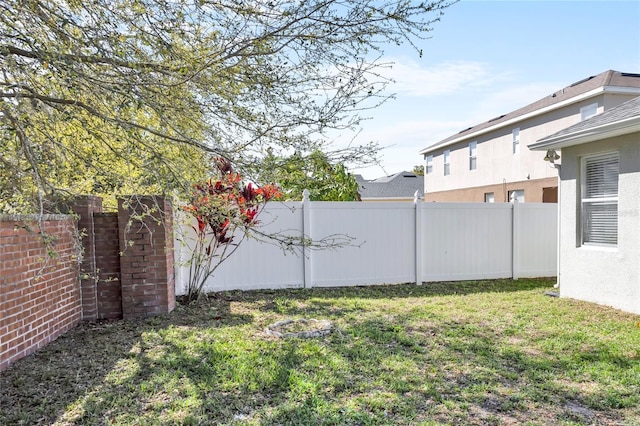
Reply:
x=459, y=241
x=466, y=241
x=536, y=228
x=383, y=246
x=255, y=264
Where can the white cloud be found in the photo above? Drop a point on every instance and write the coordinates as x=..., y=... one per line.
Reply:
x=505, y=100
x=411, y=79
x=435, y=103
x=410, y=132
x=402, y=140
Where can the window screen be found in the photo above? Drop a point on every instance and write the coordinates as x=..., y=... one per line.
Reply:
x=429, y=168
x=447, y=164
x=600, y=199
x=473, y=150
x=516, y=140
x=588, y=111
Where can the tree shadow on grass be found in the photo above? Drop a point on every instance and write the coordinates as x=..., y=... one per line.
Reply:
x=190, y=368
x=71, y=376
x=497, y=381
x=205, y=384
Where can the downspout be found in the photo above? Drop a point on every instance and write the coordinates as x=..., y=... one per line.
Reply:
x=504, y=190
x=551, y=157
x=557, y=284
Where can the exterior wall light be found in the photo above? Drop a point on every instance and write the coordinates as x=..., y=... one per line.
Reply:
x=551, y=156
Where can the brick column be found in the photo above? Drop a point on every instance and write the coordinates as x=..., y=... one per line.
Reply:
x=108, y=265
x=146, y=265
x=85, y=207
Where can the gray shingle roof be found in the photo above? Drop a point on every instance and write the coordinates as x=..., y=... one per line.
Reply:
x=398, y=185
x=607, y=78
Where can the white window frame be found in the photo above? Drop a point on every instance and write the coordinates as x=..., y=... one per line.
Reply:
x=515, y=133
x=489, y=197
x=594, y=193
x=473, y=155
x=447, y=162
x=588, y=111
x=428, y=169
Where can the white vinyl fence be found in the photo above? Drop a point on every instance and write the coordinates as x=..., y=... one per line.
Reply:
x=390, y=243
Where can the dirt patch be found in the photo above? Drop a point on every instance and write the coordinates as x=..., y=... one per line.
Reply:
x=300, y=328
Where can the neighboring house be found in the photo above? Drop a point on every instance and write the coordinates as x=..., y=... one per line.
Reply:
x=398, y=187
x=491, y=162
x=599, y=236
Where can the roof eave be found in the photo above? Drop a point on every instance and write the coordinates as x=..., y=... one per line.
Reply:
x=606, y=131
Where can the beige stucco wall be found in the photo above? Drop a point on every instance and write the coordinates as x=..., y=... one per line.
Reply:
x=533, y=190
x=495, y=159
x=608, y=276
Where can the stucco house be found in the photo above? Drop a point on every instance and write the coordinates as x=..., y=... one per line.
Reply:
x=396, y=187
x=599, y=226
x=491, y=161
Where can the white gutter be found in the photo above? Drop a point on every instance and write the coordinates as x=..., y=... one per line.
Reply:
x=590, y=94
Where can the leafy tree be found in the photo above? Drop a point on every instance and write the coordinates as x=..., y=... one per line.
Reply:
x=137, y=95
x=418, y=170
x=324, y=180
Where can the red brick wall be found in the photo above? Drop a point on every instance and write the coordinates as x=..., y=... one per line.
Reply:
x=84, y=208
x=146, y=244
x=169, y=257
x=39, y=294
x=107, y=263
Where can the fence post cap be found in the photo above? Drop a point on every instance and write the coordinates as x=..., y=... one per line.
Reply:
x=305, y=195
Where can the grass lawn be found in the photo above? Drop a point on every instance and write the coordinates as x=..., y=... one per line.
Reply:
x=492, y=352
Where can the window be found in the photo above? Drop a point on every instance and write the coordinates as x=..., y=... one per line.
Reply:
x=429, y=168
x=473, y=147
x=588, y=111
x=488, y=197
x=550, y=194
x=516, y=140
x=447, y=164
x=516, y=195
x=600, y=199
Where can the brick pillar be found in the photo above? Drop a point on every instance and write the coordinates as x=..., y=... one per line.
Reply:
x=146, y=265
x=108, y=265
x=85, y=207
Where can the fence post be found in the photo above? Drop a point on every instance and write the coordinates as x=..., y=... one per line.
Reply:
x=417, y=200
x=515, y=240
x=306, y=236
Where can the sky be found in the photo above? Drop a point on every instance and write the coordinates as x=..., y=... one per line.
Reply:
x=487, y=58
